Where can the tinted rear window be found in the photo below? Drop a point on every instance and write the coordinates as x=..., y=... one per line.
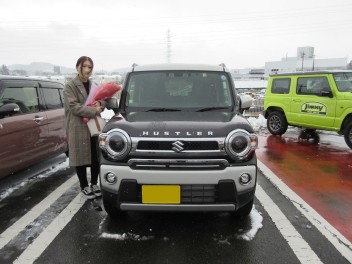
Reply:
x=281, y=86
x=53, y=99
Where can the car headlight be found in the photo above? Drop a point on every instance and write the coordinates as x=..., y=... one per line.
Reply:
x=239, y=144
x=116, y=143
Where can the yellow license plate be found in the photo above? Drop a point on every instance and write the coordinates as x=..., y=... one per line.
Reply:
x=161, y=194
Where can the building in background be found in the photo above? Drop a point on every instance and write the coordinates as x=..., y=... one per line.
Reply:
x=57, y=70
x=305, y=60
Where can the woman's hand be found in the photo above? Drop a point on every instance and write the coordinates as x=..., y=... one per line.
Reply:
x=98, y=107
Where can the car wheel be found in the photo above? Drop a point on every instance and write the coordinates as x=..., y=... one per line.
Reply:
x=245, y=210
x=111, y=210
x=348, y=135
x=276, y=123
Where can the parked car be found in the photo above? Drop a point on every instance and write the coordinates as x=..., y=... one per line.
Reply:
x=311, y=100
x=178, y=143
x=31, y=122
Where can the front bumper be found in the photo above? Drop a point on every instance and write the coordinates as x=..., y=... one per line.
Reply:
x=205, y=190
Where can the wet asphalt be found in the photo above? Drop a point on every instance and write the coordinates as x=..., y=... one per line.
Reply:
x=91, y=236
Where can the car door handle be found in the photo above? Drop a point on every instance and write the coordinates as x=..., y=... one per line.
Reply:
x=38, y=119
x=296, y=100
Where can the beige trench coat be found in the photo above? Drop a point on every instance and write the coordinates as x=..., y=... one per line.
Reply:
x=77, y=131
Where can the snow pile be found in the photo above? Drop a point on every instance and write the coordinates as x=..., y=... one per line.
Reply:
x=256, y=224
x=257, y=122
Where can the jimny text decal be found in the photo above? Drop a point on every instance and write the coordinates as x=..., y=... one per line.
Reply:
x=314, y=108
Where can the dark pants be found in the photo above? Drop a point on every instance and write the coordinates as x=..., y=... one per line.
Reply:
x=94, y=167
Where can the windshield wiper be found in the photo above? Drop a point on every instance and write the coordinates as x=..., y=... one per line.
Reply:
x=163, y=110
x=211, y=109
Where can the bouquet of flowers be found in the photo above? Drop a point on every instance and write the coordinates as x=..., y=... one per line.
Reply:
x=99, y=93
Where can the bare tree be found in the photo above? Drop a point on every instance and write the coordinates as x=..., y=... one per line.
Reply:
x=4, y=70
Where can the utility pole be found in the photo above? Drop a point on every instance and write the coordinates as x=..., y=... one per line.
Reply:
x=302, y=56
x=313, y=62
x=168, y=47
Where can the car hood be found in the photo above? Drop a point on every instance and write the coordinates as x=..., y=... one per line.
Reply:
x=178, y=124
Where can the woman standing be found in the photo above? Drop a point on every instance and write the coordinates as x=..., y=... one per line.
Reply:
x=82, y=147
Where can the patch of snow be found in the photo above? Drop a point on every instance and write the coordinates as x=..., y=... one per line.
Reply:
x=126, y=236
x=47, y=173
x=107, y=114
x=257, y=122
x=256, y=224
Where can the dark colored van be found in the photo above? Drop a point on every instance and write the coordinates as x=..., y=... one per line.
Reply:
x=31, y=122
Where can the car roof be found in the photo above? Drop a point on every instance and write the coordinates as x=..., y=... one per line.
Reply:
x=311, y=72
x=25, y=78
x=178, y=66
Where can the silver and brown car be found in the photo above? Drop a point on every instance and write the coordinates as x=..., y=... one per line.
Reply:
x=31, y=122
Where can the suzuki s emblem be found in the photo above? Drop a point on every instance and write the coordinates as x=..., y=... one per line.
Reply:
x=177, y=146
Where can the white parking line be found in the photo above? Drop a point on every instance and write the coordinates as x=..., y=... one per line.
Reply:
x=335, y=237
x=34, y=250
x=299, y=246
x=36, y=211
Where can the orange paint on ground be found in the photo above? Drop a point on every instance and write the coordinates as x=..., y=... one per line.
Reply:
x=320, y=174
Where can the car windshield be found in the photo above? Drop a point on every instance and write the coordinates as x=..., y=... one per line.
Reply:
x=343, y=81
x=178, y=91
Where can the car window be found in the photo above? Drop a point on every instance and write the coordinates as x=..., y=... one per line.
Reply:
x=281, y=86
x=53, y=98
x=180, y=89
x=25, y=97
x=312, y=85
x=343, y=81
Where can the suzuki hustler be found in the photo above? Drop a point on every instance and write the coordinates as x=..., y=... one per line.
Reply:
x=178, y=143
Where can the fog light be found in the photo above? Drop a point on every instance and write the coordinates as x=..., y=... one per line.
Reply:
x=110, y=178
x=245, y=178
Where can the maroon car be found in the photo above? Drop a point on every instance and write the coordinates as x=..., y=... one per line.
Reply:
x=31, y=122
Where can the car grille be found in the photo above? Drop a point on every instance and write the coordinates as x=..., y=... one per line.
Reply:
x=167, y=145
x=198, y=194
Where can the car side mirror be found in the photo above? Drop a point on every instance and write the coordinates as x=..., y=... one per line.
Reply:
x=9, y=109
x=113, y=104
x=245, y=102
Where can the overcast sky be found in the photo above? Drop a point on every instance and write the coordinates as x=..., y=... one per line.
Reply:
x=117, y=33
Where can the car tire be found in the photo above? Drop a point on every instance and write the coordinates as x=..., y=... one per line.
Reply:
x=348, y=134
x=112, y=210
x=244, y=211
x=277, y=123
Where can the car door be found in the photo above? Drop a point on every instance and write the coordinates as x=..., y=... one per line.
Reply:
x=23, y=136
x=311, y=106
x=53, y=102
